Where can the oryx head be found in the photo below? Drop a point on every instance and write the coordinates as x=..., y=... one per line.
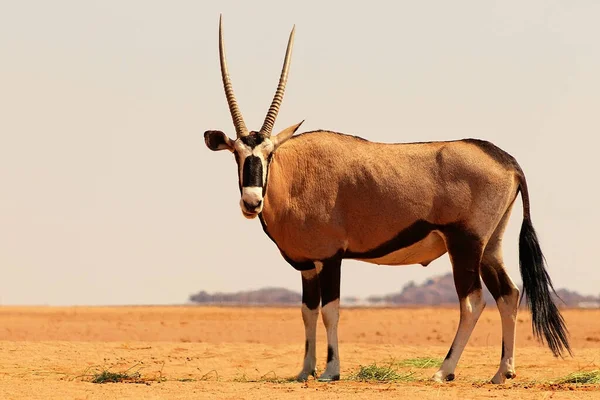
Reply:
x=252, y=150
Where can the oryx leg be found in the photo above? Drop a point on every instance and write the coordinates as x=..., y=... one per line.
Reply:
x=465, y=252
x=311, y=297
x=506, y=294
x=329, y=282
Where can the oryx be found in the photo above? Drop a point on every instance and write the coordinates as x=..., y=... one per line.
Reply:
x=323, y=197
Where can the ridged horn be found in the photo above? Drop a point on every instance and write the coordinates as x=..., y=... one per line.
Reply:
x=238, y=120
x=267, y=127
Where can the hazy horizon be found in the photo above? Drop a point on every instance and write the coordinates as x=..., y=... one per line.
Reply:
x=109, y=195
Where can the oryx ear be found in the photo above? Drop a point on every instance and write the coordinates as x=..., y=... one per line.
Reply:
x=284, y=135
x=217, y=140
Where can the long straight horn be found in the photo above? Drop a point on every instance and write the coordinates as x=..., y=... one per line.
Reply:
x=267, y=127
x=238, y=120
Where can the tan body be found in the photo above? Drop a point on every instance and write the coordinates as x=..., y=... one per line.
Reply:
x=323, y=197
x=328, y=192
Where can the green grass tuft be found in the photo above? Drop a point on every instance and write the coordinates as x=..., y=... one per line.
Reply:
x=376, y=373
x=115, y=377
x=421, y=362
x=582, y=378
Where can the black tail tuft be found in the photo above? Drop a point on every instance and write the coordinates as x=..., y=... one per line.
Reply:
x=547, y=321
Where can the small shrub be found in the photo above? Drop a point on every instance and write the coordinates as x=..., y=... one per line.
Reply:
x=582, y=378
x=376, y=373
x=115, y=377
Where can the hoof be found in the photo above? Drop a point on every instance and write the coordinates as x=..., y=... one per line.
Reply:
x=303, y=376
x=438, y=377
x=501, y=378
x=329, y=378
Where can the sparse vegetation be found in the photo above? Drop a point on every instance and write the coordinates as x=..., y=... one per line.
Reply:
x=186, y=380
x=210, y=373
x=270, y=377
x=130, y=375
x=421, y=362
x=581, y=378
x=115, y=377
x=376, y=373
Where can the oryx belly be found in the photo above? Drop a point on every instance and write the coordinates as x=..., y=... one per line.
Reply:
x=422, y=252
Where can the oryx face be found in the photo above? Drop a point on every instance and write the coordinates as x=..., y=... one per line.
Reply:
x=252, y=150
x=253, y=154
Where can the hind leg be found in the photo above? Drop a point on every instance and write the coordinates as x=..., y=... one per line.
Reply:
x=506, y=294
x=465, y=252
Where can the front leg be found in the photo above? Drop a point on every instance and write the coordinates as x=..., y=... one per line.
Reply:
x=329, y=281
x=311, y=297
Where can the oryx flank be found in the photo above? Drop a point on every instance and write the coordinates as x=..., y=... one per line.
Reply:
x=323, y=197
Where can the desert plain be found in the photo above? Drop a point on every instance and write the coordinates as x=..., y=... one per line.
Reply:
x=192, y=352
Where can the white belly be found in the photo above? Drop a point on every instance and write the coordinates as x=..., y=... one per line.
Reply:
x=423, y=252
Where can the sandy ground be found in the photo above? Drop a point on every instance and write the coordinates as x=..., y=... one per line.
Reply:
x=235, y=353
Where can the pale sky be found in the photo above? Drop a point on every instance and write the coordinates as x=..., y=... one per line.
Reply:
x=108, y=194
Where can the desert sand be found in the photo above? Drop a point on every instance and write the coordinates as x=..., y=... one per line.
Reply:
x=186, y=352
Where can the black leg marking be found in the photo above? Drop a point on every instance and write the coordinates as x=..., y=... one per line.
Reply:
x=311, y=295
x=502, y=349
x=329, y=354
x=496, y=280
x=305, y=348
x=465, y=251
x=329, y=279
x=449, y=353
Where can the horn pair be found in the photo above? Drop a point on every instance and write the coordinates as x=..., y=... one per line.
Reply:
x=238, y=120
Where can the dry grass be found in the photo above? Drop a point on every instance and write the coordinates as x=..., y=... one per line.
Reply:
x=581, y=378
x=376, y=373
x=421, y=362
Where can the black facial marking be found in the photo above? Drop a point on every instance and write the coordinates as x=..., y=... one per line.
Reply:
x=237, y=160
x=329, y=279
x=269, y=159
x=449, y=353
x=253, y=140
x=329, y=354
x=252, y=172
x=311, y=294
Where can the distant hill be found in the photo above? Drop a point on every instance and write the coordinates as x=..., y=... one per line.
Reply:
x=440, y=290
x=433, y=292
x=264, y=296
